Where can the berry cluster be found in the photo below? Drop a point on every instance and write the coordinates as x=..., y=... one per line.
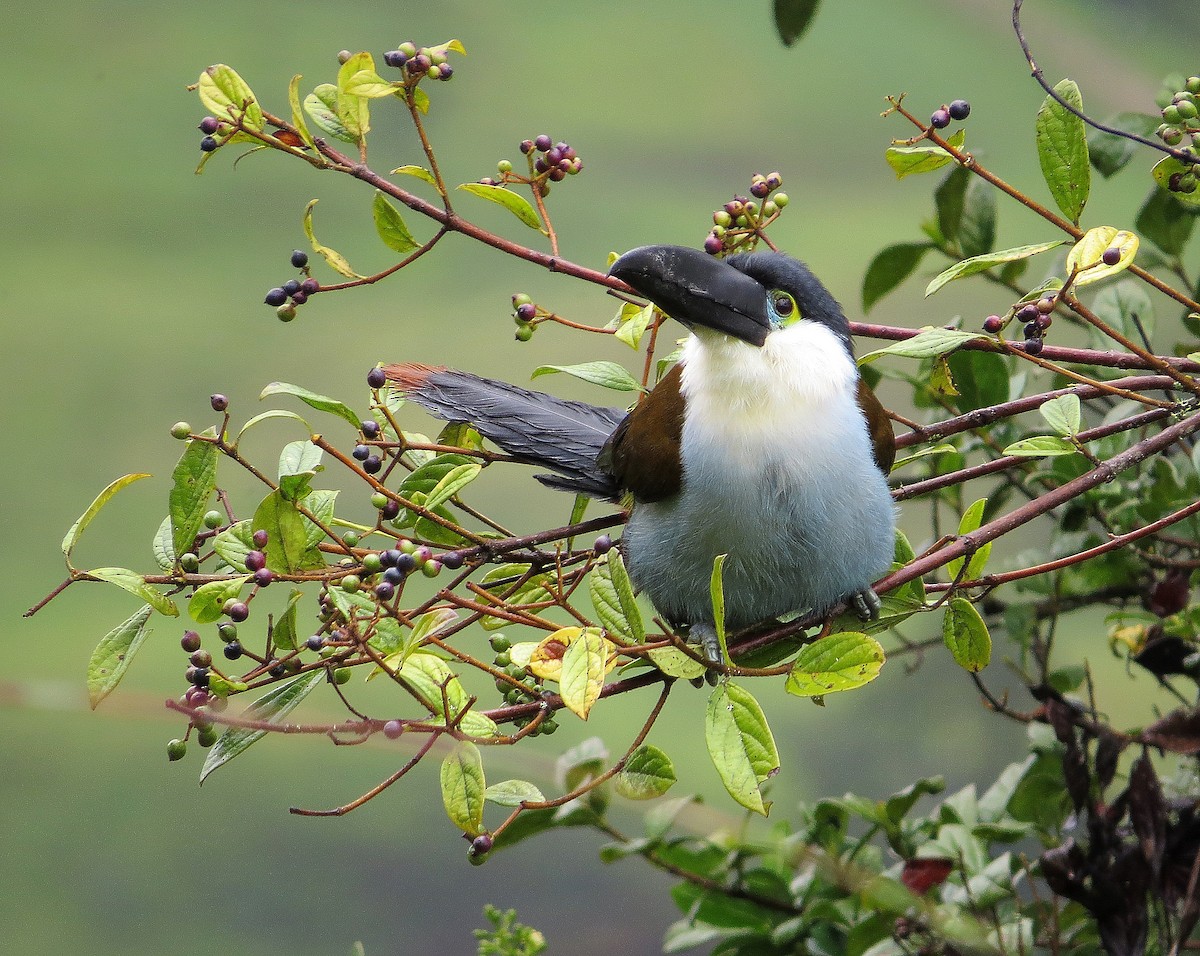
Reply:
x=525, y=313
x=1181, y=128
x=295, y=292
x=529, y=689
x=212, y=127
x=740, y=221
x=1035, y=317
x=958, y=111
x=417, y=62
x=550, y=160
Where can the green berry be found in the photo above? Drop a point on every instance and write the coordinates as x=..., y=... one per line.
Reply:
x=286, y=312
x=351, y=538
x=780, y=199
x=206, y=736
x=770, y=207
x=503, y=659
x=504, y=166
x=213, y=519
x=1186, y=109
x=378, y=500
x=351, y=583
x=341, y=675
x=524, y=332
x=1193, y=84
x=176, y=749
x=1171, y=114
x=500, y=643
x=181, y=430
x=227, y=632
x=372, y=564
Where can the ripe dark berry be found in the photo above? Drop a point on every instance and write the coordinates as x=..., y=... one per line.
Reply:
x=376, y=378
x=395, y=59
x=760, y=189
x=310, y=286
x=361, y=452
x=543, y=142
x=959, y=110
x=219, y=402
x=993, y=324
x=238, y=612
x=190, y=641
x=255, y=560
x=201, y=658
x=393, y=729
x=390, y=509
x=372, y=465
x=385, y=590
x=603, y=544
x=774, y=181
x=315, y=643
x=393, y=575
x=405, y=563
x=276, y=297
x=209, y=125
x=300, y=297
x=208, y=144
x=176, y=749
x=260, y=538
x=940, y=119
x=526, y=146
x=263, y=577
x=419, y=65
x=557, y=175
x=292, y=286
x=526, y=311
x=1032, y=331
x=197, y=676
x=445, y=71
x=389, y=557
x=481, y=845
x=1027, y=312
x=1111, y=256
x=1033, y=346
x=233, y=650
x=453, y=560
x=299, y=258
x=278, y=669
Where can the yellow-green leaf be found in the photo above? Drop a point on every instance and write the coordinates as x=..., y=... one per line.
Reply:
x=136, y=585
x=228, y=96
x=1086, y=257
x=391, y=226
x=971, y=520
x=841, y=661
x=966, y=635
x=584, y=665
x=612, y=597
x=205, y=605
x=113, y=654
x=515, y=203
x=81, y=523
x=337, y=262
x=298, y=113
x=648, y=773
x=740, y=744
x=977, y=264
x=463, y=787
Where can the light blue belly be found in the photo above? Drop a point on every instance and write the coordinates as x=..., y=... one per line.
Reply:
x=799, y=534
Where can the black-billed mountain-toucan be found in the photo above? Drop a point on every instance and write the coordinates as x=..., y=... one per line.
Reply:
x=762, y=443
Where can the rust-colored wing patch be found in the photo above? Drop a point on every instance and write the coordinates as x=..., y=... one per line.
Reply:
x=879, y=426
x=643, y=454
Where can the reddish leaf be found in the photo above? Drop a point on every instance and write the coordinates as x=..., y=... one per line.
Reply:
x=1178, y=732
x=920, y=875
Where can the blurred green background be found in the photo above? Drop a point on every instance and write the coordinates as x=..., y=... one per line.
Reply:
x=132, y=290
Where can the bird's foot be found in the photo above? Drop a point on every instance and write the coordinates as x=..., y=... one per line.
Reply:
x=706, y=636
x=866, y=604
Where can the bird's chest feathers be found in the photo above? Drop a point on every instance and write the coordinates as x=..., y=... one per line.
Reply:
x=783, y=413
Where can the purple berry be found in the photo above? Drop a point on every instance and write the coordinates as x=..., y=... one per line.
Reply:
x=315, y=643
x=393, y=729
x=385, y=590
x=233, y=650
x=1033, y=346
x=393, y=575
x=1027, y=313
x=361, y=452
x=208, y=144
x=453, y=560
x=276, y=297
x=209, y=125
x=713, y=245
x=292, y=286
x=543, y=143
x=196, y=696
x=395, y=59
x=553, y=156
x=557, y=175
x=389, y=557
x=1044, y=321
x=201, y=658
x=993, y=324
x=373, y=465
x=445, y=71
x=219, y=402
x=1032, y=331
x=263, y=577
x=959, y=110
x=526, y=311
x=526, y=146
x=389, y=510
x=376, y=378
x=260, y=538
x=197, y=676
x=299, y=258
x=190, y=641
x=1111, y=256
x=370, y=429
x=405, y=563
x=940, y=119
x=310, y=286
x=419, y=64
x=481, y=845
x=760, y=189
x=299, y=298
x=255, y=560
x=238, y=611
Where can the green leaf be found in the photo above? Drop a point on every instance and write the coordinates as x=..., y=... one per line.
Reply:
x=515, y=203
x=391, y=227
x=1063, y=414
x=909, y=160
x=271, y=707
x=114, y=653
x=193, y=482
x=971, y=520
x=583, y=668
x=716, y=594
x=228, y=97
x=632, y=323
x=989, y=260
x=232, y=544
x=451, y=483
x=425, y=675
x=283, y=634
x=297, y=113
x=299, y=463
x=321, y=105
x=792, y=18
x=841, y=661
x=287, y=550
x=929, y=342
x=337, y=262
x=1041, y=446
x=269, y=414
x=136, y=585
x=982, y=379
x=419, y=171
x=354, y=111
x=1165, y=222
x=1110, y=154
x=1063, y=151
x=1085, y=258
x=463, y=787
x=740, y=745
x=891, y=266
x=319, y=402
x=1162, y=173
x=420, y=99
x=607, y=374
x=85, y=519
x=512, y=793
x=965, y=634
x=164, y=550
x=949, y=199
x=205, y=605
x=977, y=231
x=647, y=774
x=674, y=663
x=613, y=599
x=369, y=84
x=320, y=505
x=1125, y=305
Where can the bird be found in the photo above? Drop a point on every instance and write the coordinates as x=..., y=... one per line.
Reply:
x=763, y=443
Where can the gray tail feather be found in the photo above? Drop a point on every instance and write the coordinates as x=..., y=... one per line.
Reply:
x=533, y=427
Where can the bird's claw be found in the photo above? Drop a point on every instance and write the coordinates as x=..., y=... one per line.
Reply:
x=706, y=636
x=866, y=604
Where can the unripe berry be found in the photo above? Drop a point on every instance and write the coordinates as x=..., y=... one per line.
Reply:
x=780, y=199
x=201, y=658
x=176, y=749
x=341, y=675
x=431, y=568
x=760, y=189
x=408, y=48
x=343, y=56
x=1045, y=304
x=189, y=561
x=181, y=430
x=524, y=333
x=774, y=181
x=504, y=167
x=190, y=641
x=286, y=312
x=227, y=632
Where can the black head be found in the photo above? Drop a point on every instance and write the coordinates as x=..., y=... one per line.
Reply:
x=747, y=296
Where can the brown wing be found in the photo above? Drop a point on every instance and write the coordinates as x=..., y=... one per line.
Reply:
x=643, y=452
x=879, y=426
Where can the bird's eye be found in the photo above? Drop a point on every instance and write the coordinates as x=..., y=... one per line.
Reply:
x=785, y=307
